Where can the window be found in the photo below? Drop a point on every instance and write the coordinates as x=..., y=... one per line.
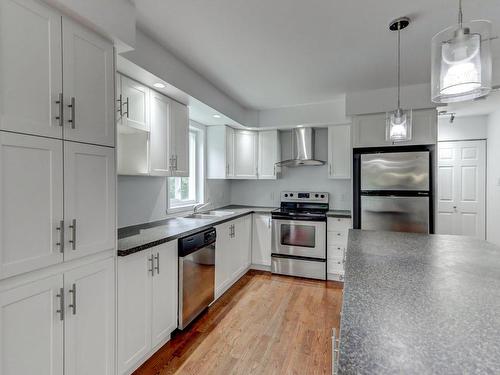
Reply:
x=185, y=192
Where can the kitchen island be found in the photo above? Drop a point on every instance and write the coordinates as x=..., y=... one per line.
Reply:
x=420, y=304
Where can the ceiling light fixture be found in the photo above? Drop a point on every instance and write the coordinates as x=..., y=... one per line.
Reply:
x=159, y=85
x=398, y=122
x=461, y=61
x=217, y=116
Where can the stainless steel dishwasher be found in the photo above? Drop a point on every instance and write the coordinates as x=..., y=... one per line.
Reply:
x=196, y=274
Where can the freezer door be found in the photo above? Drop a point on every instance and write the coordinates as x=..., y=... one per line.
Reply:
x=395, y=171
x=396, y=214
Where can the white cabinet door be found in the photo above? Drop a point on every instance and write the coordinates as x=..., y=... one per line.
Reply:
x=339, y=152
x=31, y=202
x=134, y=309
x=229, y=159
x=160, y=153
x=269, y=154
x=245, y=154
x=369, y=130
x=90, y=319
x=135, y=97
x=88, y=72
x=164, y=292
x=242, y=245
x=31, y=329
x=89, y=199
x=223, y=263
x=179, y=141
x=31, y=68
x=261, y=244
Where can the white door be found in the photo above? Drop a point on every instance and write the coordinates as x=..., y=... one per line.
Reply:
x=31, y=328
x=339, y=152
x=31, y=203
x=229, y=152
x=261, y=243
x=164, y=292
x=269, y=154
x=223, y=245
x=134, y=308
x=88, y=71
x=89, y=199
x=160, y=154
x=243, y=245
x=179, y=131
x=245, y=154
x=461, y=188
x=90, y=319
x=135, y=97
x=30, y=68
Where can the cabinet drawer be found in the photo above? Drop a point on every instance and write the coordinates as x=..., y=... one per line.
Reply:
x=335, y=266
x=335, y=252
x=337, y=224
x=337, y=238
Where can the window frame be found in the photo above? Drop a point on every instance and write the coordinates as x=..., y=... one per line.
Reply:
x=199, y=131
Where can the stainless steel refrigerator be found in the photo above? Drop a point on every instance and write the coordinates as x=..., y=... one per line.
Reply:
x=395, y=191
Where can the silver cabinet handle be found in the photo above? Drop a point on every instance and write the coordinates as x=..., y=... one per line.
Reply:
x=120, y=105
x=73, y=234
x=60, y=228
x=61, y=110
x=126, y=103
x=157, y=258
x=234, y=231
x=269, y=222
x=61, y=303
x=230, y=231
x=152, y=269
x=227, y=169
x=73, y=112
x=330, y=167
x=72, y=305
x=335, y=352
x=175, y=162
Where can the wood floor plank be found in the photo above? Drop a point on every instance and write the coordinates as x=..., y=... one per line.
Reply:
x=265, y=324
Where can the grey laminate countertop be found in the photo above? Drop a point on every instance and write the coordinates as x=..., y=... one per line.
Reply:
x=143, y=236
x=420, y=304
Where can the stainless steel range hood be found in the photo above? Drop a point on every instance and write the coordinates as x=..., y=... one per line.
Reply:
x=302, y=149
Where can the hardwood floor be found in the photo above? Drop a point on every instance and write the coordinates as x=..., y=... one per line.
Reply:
x=265, y=324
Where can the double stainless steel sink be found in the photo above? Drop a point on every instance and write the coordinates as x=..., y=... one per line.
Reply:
x=209, y=215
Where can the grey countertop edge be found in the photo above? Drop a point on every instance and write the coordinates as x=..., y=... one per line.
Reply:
x=339, y=213
x=147, y=245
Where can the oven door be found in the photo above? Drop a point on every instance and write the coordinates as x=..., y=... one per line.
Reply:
x=299, y=238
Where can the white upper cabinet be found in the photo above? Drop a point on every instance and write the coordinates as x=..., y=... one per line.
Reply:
x=133, y=104
x=245, y=154
x=90, y=319
x=88, y=86
x=369, y=130
x=31, y=68
x=269, y=154
x=31, y=317
x=31, y=203
x=339, y=152
x=89, y=207
x=229, y=152
x=160, y=154
x=179, y=138
x=220, y=152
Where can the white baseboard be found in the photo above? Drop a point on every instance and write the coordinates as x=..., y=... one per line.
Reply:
x=260, y=267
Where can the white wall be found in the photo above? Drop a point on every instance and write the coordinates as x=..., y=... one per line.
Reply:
x=267, y=192
x=462, y=128
x=493, y=179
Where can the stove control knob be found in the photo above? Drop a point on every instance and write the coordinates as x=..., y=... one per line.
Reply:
x=322, y=195
x=316, y=195
x=286, y=195
x=291, y=194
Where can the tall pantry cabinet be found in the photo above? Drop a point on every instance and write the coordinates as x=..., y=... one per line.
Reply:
x=57, y=194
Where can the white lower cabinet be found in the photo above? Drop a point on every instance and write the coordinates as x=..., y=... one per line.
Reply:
x=336, y=240
x=147, y=303
x=232, y=253
x=261, y=242
x=60, y=324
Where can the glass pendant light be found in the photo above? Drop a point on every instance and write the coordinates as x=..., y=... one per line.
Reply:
x=398, y=122
x=461, y=61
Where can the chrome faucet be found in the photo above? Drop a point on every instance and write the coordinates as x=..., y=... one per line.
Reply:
x=200, y=206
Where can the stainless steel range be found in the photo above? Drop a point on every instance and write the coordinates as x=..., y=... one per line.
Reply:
x=299, y=235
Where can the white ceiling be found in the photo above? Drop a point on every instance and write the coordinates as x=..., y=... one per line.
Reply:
x=272, y=53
